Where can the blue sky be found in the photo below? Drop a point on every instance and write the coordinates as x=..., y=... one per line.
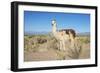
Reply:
x=41, y=21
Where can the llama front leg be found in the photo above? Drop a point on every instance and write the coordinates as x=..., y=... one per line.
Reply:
x=64, y=47
x=61, y=46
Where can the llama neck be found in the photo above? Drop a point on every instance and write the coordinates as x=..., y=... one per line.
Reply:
x=54, y=29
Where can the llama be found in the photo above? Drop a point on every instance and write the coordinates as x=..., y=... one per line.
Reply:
x=63, y=36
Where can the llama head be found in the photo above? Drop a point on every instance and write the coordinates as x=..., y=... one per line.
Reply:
x=54, y=22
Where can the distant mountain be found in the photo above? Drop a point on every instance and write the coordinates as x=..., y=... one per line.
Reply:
x=46, y=33
x=83, y=34
x=36, y=33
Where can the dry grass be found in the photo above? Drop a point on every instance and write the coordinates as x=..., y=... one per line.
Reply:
x=45, y=47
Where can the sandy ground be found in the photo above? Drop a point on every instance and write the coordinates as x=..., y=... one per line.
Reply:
x=51, y=54
x=43, y=48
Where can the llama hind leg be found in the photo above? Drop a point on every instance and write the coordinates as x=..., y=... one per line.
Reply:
x=72, y=43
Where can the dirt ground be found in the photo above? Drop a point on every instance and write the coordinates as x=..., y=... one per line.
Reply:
x=49, y=51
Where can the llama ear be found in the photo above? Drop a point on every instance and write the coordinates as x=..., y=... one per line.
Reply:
x=52, y=24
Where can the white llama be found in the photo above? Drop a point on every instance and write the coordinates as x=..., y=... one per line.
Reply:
x=63, y=36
